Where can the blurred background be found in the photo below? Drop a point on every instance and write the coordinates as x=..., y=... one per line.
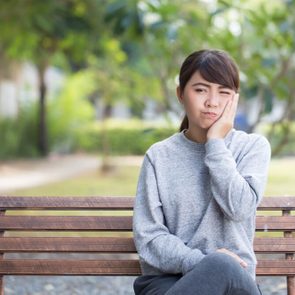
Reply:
x=86, y=86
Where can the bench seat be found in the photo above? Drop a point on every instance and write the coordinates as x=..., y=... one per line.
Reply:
x=103, y=225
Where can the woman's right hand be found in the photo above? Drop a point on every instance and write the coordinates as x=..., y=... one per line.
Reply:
x=235, y=256
x=221, y=127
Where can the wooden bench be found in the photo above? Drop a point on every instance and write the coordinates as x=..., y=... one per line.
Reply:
x=21, y=232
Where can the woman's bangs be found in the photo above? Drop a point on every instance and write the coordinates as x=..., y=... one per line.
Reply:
x=217, y=74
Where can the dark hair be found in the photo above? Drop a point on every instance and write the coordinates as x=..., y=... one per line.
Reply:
x=215, y=66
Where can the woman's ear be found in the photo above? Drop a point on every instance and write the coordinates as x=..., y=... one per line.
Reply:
x=179, y=94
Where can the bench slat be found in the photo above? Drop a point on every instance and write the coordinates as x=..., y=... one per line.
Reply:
x=67, y=244
x=113, y=267
x=67, y=203
x=277, y=203
x=68, y=267
x=114, y=223
x=66, y=223
x=274, y=245
x=110, y=203
x=275, y=267
x=114, y=245
x=273, y=223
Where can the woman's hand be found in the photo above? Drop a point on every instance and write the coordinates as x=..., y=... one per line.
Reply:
x=225, y=122
x=235, y=256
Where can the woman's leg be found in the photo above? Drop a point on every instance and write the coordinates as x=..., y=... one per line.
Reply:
x=217, y=274
x=154, y=285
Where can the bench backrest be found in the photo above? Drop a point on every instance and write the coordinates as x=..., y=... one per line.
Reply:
x=88, y=225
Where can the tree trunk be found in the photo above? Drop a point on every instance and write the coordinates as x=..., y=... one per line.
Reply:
x=285, y=123
x=42, y=128
x=106, y=165
x=260, y=110
x=284, y=140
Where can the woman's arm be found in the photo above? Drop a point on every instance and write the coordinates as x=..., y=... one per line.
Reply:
x=155, y=244
x=238, y=187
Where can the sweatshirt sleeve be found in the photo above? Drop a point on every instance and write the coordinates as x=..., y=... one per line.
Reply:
x=155, y=245
x=238, y=187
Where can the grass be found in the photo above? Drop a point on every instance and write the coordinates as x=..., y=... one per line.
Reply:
x=120, y=182
x=281, y=180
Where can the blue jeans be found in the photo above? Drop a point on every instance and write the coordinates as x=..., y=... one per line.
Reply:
x=216, y=274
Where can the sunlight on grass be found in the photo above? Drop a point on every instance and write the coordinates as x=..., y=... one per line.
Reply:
x=281, y=181
x=121, y=182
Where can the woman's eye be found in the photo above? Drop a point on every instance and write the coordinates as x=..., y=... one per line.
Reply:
x=199, y=90
x=225, y=92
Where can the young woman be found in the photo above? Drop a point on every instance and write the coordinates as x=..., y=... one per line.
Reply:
x=194, y=214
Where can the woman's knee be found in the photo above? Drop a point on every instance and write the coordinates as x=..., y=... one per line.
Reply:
x=221, y=260
x=228, y=272
x=221, y=264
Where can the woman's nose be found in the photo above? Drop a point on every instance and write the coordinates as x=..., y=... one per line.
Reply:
x=212, y=100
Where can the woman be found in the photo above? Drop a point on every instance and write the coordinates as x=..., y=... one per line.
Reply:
x=198, y=190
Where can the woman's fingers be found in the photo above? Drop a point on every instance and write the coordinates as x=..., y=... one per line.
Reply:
x=231, y=107
x=235, y=256
x=234, y=105
x=226, y=121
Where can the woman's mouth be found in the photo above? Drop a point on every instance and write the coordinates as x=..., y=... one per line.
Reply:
x=210, y=115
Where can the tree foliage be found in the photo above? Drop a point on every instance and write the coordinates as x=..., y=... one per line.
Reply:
x=134, y=48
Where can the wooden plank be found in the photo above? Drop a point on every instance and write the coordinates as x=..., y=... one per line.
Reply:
x=66, y=223
x=114, y=245
x=277, y=203
x=67, y=244
x=110, y=203
x=275, y=223
x=69, y=267
x=67, y=203
x=114, y=267
x=289, y=256
x=2, y=213
x=274, y=245
x=114, y=223
x=291, y=285
x=275, y=267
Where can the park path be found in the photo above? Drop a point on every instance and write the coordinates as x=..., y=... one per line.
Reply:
x=21, y=174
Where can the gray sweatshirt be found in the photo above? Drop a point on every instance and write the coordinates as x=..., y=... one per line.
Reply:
x=193, y=199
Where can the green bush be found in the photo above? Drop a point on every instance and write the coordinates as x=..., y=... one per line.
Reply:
x=278, y=134
x=69, y=110
x=18, y=137
x=125, y=140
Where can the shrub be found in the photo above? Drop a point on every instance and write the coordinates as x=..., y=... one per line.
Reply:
x=125, y=140
x=18, y=137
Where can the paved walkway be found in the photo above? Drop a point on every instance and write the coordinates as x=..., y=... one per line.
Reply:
x=22, y=174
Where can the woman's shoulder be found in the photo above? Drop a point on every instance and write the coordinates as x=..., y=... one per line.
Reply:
x=243, y=139
x=164, y=145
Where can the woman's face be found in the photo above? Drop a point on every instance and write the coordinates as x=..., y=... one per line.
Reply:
x=203, y=101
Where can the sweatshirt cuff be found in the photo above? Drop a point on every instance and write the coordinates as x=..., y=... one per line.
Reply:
x=189, y=262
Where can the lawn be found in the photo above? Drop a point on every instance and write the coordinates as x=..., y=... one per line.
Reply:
x=120, y=182
x=281, y=181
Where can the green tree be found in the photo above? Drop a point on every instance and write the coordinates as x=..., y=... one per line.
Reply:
x=259, y=34
x=261, y=37
x=48, y=31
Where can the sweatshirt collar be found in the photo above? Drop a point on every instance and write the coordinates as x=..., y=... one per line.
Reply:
x=198, y=145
